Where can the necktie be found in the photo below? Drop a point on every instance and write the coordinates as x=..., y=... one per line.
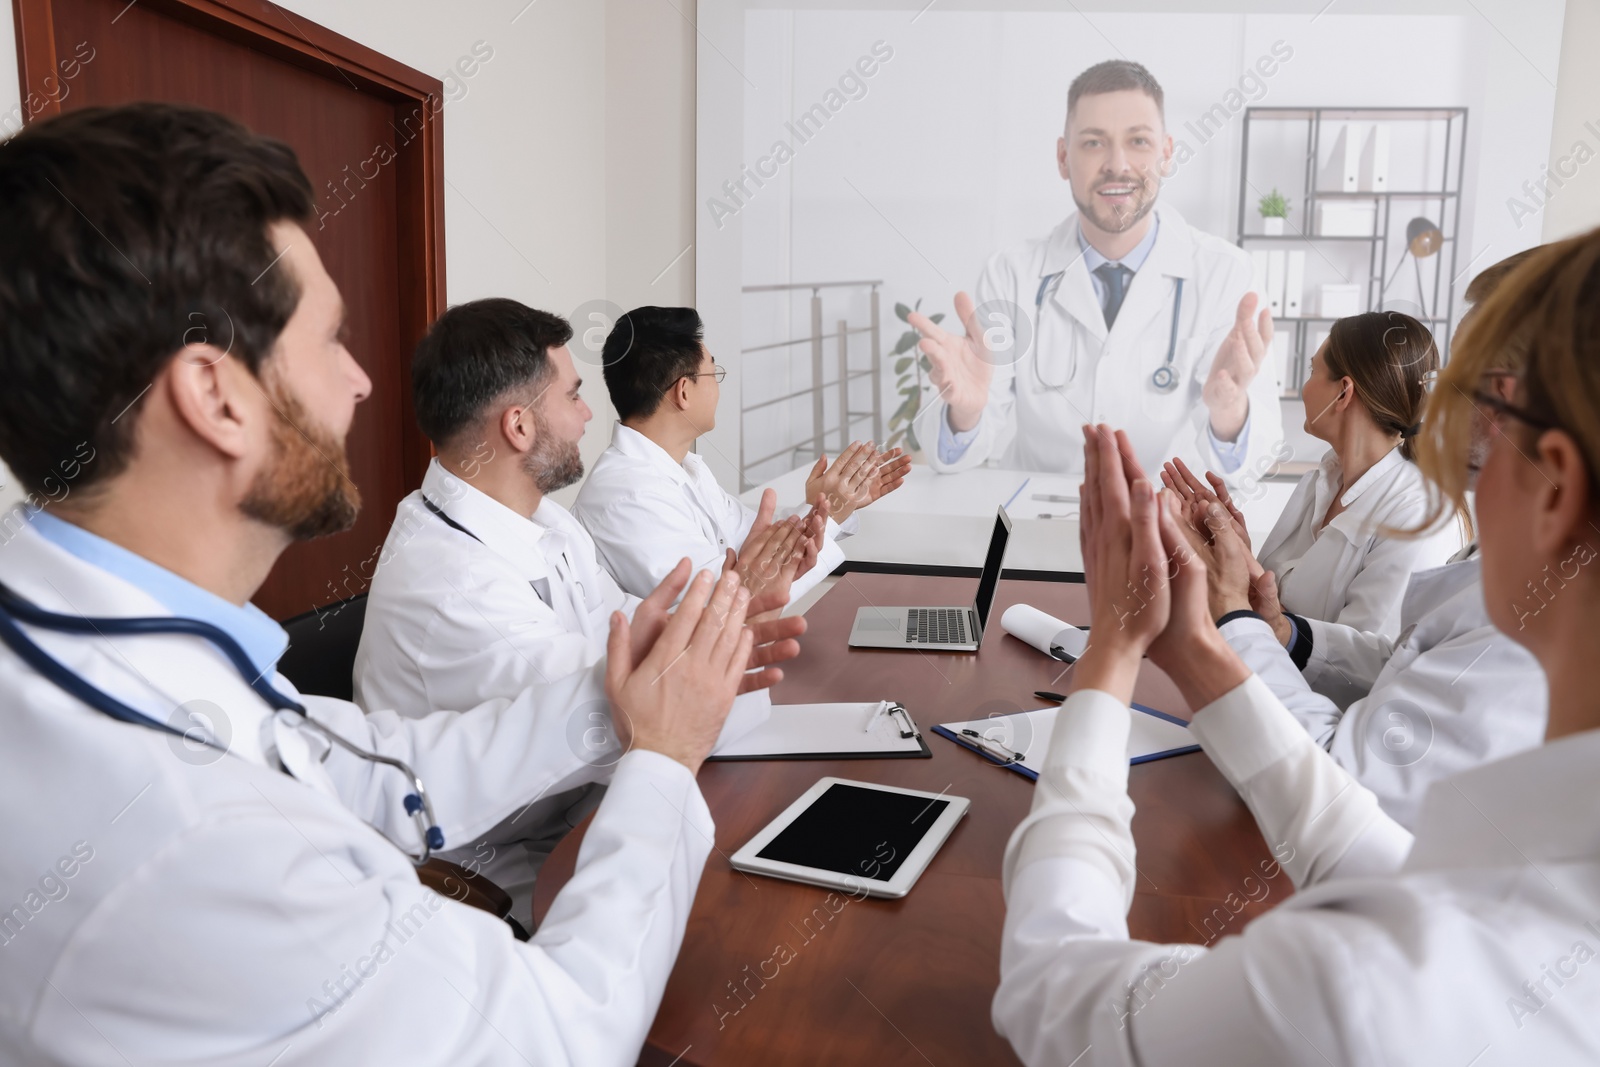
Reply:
x=1115, y=276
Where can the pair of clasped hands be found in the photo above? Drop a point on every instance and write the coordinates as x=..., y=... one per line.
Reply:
x=1162, y=565
x=774, y=554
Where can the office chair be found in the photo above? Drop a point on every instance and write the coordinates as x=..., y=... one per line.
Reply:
x=321, y=661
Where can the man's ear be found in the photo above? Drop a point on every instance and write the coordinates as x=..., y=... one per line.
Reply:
x=517, y=426
x=680, y=393
x=1061, y=158
x=1562, y=503
x=209, y=393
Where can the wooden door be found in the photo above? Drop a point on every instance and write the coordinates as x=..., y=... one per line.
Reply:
x=369, y=134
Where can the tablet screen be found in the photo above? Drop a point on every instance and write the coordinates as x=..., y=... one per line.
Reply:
x=867, y=833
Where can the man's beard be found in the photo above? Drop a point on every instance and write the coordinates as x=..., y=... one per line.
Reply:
x=307, y=491
x=1106, y=219
x=552, y=463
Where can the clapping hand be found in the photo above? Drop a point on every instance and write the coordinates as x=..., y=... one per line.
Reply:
x=773, y=640
x=770, y=558
x=845, y=480
x=1124, y=564
x=1177, y=476
x=673, y=699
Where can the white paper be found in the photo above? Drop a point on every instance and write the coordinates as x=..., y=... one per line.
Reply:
x=1027, y=623
x=1028, y=732
x=802, y=729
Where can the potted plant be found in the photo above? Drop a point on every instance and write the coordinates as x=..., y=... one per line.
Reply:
x=909, y=366
x=1274, y=209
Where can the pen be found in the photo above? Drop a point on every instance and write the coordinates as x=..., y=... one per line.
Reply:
x=1045, y=694
x=987, y=746
x=883, y=705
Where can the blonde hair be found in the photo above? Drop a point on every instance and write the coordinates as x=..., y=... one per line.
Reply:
x=1542, y=321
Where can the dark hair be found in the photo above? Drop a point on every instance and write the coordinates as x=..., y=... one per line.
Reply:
x=1113, y=76
x=127, y=234
x=472, y=354
x=645, y=354
x=1387, y=355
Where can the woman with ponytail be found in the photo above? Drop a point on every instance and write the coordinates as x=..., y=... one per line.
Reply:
x=1339, y=550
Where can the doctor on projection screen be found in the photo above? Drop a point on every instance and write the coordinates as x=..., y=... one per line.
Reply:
x=1123, y=314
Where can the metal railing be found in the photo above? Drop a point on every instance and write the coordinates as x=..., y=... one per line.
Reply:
x=816, y=440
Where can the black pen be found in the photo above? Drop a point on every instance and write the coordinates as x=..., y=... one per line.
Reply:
x=1045, y=694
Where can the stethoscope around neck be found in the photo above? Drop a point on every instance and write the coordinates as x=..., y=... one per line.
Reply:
x=1165, y=377
x=15, y=609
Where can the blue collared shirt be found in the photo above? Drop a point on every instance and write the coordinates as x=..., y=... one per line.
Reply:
x=952, y=445
x=262, y=639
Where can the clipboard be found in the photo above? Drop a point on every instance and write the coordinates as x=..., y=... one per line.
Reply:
x=877, y=729
x=1019, y=742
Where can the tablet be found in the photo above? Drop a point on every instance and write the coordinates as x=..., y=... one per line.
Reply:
x=873, y=840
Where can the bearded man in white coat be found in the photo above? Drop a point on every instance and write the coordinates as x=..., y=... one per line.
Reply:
x=1124, y=313
x=212, y=868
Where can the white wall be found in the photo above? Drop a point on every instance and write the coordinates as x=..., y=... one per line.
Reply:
x=568, y=163
x=1574, y=206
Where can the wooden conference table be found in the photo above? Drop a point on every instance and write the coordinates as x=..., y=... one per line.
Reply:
x=910, y=981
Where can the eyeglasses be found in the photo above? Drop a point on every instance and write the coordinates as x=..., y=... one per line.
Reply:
x=716, y=372
x=1503, y=409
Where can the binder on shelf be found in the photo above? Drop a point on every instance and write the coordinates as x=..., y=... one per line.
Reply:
x=1352, y=157
x=876, y=729
x=1021, y=740
x=1275, y=272
x=1280, y=357
x=1294, y=283
x=1375, y=160
x=1258, y=274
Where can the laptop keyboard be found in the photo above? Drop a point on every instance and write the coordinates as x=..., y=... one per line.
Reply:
x=937, y=626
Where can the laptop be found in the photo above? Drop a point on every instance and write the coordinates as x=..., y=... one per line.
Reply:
x=941, y=629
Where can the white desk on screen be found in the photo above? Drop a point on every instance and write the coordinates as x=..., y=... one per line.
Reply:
x=944, y=520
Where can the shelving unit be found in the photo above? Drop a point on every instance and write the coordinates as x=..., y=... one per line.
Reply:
x=1382, y=260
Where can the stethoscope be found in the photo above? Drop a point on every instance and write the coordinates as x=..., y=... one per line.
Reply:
x=14, y=608
x=548, y=600
x=1165, y=377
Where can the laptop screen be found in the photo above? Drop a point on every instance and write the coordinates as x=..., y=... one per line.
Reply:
x=989, y=581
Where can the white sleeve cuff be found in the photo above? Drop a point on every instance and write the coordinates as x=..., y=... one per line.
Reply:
x=1239, y=737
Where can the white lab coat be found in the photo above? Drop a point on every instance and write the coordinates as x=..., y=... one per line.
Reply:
x=1348, y=571
x=646, y=512
x=1076, y=371
x=1450, y=693
x=220, y=911
x=454, y=620
x=1432, y=951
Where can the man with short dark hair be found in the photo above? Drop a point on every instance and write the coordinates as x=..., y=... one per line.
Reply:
x=201, y=863
x=650, y=500
x=1124, y=313
x=485, y=585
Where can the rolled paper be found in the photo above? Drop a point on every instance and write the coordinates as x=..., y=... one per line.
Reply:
x=1044, y=632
